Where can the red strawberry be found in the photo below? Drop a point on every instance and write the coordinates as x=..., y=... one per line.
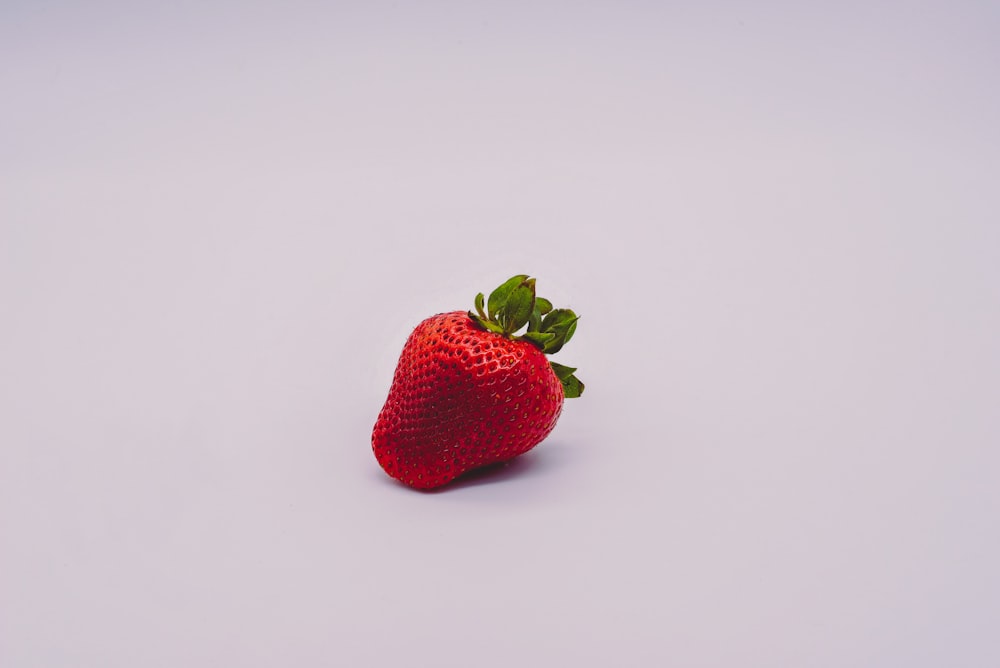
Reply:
x=468, y=392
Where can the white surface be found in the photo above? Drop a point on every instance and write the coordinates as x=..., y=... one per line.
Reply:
x=218, y=225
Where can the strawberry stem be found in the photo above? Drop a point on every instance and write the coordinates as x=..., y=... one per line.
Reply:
x=513, y=305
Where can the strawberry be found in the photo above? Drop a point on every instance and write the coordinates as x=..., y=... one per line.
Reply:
x=469, y=392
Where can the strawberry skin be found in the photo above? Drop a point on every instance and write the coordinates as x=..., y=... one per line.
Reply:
x=464, y=396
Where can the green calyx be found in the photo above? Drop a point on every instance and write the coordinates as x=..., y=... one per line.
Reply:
x=512, y=306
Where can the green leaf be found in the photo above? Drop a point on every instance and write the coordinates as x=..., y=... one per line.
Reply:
x=486, y=324
x=516, y=310
x=562, y=323
x=556, y=318
x=572, y=387
x=570, y=331
x=499, y=296
x=535, y=321
x=537, y=338
x=543, y=305
x=562, y=371
x=479, y=306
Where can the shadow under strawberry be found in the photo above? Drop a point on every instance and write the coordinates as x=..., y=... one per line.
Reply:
x=526, y=464
x=538, y=462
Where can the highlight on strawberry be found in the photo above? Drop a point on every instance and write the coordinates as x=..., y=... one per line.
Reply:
x=470, y=390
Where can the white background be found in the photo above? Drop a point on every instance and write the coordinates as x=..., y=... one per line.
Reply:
x=781, y=226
